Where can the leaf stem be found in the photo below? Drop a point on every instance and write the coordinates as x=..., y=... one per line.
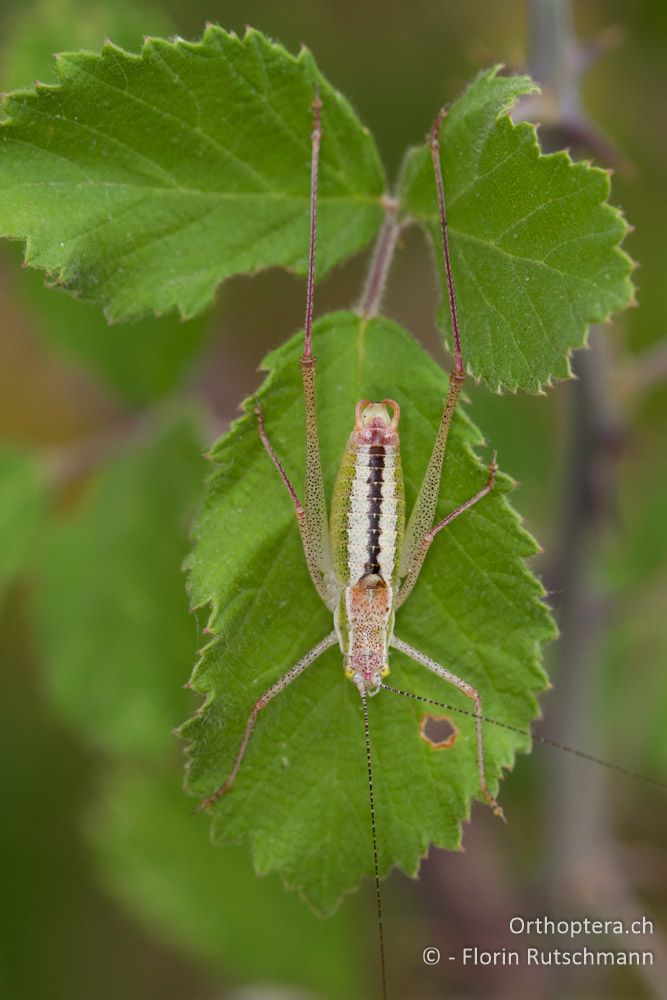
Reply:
x=381, y=260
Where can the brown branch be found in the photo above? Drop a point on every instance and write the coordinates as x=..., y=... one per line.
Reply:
x=646, y=372
x=559, y=63
x=583, y=863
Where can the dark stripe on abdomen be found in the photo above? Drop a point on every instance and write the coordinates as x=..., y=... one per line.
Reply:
x=375, y=483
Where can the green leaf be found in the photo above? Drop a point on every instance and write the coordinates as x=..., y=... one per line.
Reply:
x=154, y=857
x=535, y=247
x=112, y=614
x=301, y=796
x=143, y=181
x=143, y=360
x=22, y=510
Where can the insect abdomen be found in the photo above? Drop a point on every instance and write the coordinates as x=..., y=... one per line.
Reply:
x=368, y=512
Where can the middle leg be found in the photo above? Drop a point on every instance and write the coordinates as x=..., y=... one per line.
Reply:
x=414, y=564
x=311, y=550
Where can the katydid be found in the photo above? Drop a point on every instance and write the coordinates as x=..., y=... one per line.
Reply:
x=364, y=560
x=365, y=566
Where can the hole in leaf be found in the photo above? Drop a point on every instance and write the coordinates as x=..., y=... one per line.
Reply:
x=439, y=731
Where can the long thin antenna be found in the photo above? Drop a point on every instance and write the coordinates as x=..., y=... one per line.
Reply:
x=434, y=145
x=314, y=166
x=533, y=736
x=371, y=799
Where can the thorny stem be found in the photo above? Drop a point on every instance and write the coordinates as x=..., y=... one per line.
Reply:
x=647, y=371
x=559, y=63
x=583, y=856
x=381, y=260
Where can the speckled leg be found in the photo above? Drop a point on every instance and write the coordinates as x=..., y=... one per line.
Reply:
x=261, y=703
x=315, y=500
x=470, y=692
x=413, y=568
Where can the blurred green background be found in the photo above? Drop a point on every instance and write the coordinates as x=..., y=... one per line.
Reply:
x=110, y=887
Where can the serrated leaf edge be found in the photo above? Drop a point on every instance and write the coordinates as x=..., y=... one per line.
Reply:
x=613, y=212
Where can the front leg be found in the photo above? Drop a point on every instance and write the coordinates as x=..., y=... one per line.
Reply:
x=470, y=692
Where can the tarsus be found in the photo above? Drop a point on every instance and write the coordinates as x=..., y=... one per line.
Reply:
x=371, y=799
x=533, y=736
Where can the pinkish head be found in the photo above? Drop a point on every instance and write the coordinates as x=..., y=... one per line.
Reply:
x=368, y=680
